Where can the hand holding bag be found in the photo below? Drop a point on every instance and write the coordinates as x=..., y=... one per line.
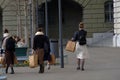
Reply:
x=33, y=60
x=70, y=46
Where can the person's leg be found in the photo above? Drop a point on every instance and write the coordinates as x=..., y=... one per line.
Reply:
x=48, y=65
x=41, y=68
x=48, y=61
x=38, y=53
x=41, y=62
x=83, y=63
x=78, y=63
x=7, y=68
x=12, y=61
x=12, y=70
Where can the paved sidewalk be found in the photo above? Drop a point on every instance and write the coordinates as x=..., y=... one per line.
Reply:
x=103, y=64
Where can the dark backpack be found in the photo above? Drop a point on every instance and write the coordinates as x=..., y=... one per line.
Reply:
x=82, y=37
x=10, y=44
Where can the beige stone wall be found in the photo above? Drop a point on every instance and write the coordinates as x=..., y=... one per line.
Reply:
x=116, y=38
x=10, y=19
x=10, y=16
x=93, y=17
x=117, y=17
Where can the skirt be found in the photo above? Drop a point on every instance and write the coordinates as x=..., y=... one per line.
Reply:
x=9, y=57
x=81, y=51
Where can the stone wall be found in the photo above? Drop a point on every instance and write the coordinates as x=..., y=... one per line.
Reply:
x=93, y=17
x=117, y=16
x=116, y=38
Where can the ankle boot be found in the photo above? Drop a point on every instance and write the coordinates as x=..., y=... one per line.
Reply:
x=6, y=70
x=12, y=70
x=41, y=68
x=82, y=69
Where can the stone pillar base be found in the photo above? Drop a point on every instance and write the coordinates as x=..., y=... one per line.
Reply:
x=116, y=40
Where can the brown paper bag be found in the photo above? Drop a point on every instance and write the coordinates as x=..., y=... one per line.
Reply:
x=33, y=60
x=15, y=60
x=1, y=59
x=70, y=46
x=53, y=59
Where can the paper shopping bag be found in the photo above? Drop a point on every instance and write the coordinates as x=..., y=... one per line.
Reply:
x=33, y=60
x=1, y=59
x=15, y=60
x=70, y=46
x=53, y=59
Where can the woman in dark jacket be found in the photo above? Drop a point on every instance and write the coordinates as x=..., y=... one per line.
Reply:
x=38, y=46
x=81, y=47
x=9, y=54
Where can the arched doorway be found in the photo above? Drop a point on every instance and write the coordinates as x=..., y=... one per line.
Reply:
x=72, y=14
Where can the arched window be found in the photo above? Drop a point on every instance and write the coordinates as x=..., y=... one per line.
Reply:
x=108, y=7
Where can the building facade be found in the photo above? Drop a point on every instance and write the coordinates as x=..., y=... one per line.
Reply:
x=96, y=14
x=116, y=38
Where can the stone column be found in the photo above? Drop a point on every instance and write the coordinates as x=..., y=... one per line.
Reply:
x=116, y=38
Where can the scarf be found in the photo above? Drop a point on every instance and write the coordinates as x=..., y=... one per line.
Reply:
x=39, y=33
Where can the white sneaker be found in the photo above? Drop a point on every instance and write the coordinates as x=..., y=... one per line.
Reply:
x=48, y=66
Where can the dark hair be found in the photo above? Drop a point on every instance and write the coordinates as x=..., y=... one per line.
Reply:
x=40, y=29
x=5, y=31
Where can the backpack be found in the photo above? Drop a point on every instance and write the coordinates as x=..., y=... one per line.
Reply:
x=82, y=37
x=10, y=44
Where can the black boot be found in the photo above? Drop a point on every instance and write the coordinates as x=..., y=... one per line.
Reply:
x=6, y=70
x=41, y=68
x=12, y=71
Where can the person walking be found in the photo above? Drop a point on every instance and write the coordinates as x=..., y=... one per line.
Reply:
x=38, y=46
x=81, y=47
x=9, y=53
x=8, y=46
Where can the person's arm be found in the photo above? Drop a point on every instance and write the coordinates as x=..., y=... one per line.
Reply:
x=74, y=38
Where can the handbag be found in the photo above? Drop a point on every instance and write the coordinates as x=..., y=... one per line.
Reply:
x=33, y=60
x=70, y=46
